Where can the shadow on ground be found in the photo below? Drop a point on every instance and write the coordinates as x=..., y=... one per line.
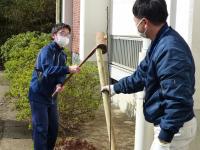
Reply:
x=13, y=129
x=95, y=131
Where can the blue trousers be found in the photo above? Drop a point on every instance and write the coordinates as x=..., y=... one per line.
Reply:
x=45, y=125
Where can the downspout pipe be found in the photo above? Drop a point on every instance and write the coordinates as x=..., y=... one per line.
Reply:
x=143, y=130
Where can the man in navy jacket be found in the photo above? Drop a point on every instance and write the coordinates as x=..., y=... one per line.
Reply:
x=167, y=74
x=49, y=73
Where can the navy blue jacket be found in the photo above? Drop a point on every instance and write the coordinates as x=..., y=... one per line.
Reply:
x=167, y=74
x=50, y=70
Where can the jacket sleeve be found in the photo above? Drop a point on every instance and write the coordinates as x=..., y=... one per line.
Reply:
x=61, y=79
x=175, y=70
x=133, y=83
x=47, y=65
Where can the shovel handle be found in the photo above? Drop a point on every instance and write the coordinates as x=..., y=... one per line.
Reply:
x=89, y=55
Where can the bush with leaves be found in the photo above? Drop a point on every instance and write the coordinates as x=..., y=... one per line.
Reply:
x=81, y=95
x=19, y=53
x=80, y=98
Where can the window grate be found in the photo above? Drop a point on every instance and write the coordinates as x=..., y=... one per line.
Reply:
x=125, y=51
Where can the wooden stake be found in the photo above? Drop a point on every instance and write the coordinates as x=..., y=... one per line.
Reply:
x=100, y=39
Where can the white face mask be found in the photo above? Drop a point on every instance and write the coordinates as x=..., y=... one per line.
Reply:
x=62, y=41
x=142, y=34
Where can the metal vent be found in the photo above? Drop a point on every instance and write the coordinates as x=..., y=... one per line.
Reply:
x=125, y=51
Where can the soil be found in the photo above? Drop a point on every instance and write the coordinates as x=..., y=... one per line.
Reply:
x=96, y=131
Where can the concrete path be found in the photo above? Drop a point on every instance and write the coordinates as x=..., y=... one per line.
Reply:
x=14, y=135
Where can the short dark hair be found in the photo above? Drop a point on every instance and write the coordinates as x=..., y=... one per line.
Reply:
x=60, y=26
x=153, y=10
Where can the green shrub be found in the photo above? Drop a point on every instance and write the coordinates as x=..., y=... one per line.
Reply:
x=81, y=95
x=19, y=53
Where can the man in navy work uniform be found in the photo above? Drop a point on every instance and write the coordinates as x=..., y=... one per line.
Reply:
x=167, y=74
x=49, y=73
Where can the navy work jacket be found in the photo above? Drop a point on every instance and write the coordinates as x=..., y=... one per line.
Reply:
x=50, y=70
x=167, y=74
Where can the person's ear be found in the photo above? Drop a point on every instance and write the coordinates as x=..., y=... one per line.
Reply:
x=146, y=21
x=53, y=36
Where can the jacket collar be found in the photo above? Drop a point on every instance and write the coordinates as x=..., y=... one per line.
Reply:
x=56, y=47
x=159, y=35
x=163, y=29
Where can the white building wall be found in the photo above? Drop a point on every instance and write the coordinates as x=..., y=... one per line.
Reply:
x=122, y=18
x=122, y=22
x=184, y=19
x=195, y=40
x=67, y=11
x=93, y=18
x=195, y=46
